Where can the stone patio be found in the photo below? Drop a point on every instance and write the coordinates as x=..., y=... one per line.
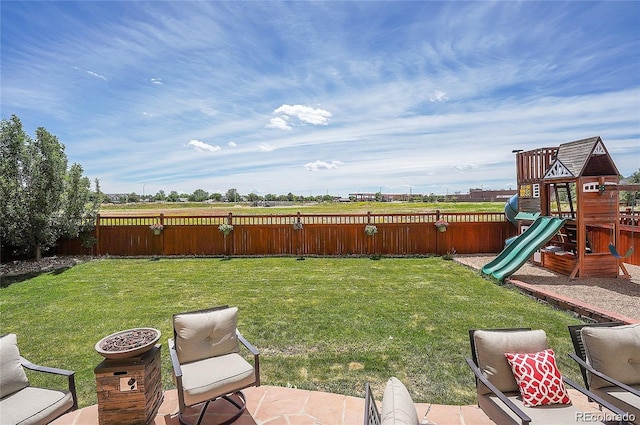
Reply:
x=268, y=405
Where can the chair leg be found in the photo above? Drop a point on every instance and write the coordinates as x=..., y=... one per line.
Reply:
x=241, y=406
x=200, y=415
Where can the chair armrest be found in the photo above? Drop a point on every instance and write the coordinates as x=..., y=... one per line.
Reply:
x=70, y=374
x=586, y=366
x=524, y=419
x=620, y=413
x=371, y=413
x=254, y=351
x=247, y=344
x=173, y=355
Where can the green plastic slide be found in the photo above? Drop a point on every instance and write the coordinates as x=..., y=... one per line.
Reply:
x=523, y=247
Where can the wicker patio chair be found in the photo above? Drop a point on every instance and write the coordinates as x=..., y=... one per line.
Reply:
x=207, y=364
x=21, y=403
x=609, y=358
x=498, y=392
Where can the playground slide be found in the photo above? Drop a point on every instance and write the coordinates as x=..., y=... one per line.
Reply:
x=511, y=209
x=523, y=247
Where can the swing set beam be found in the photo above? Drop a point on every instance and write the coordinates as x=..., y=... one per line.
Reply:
x=619, y=187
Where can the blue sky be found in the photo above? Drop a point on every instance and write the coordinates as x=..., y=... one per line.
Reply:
x=321, y=97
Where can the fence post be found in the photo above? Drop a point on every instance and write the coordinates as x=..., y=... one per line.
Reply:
x=162, y=239
x=437, y=234
x=232, y=247
x=98, y=234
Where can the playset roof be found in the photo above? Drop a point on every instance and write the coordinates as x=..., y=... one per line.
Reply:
x=586, y=157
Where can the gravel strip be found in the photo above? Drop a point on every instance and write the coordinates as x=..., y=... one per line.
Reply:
x=621, y=296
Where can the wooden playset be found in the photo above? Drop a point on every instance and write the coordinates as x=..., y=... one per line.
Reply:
x=577, y=181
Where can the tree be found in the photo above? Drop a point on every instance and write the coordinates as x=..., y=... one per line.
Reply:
x=46, y=165
x=252, y=197
x=173, y=196
x=631, y=198
x=133, y=197
x=232, y=195
x=80, y=205
x=39, y=201
x=12, y=155
x=199, y=196
x=160, y=196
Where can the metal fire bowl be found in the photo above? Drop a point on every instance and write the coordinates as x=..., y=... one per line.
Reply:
x=127, y=352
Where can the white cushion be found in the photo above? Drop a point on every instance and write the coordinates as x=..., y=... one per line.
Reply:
x=12, y=375
x=206, y=334
x=34, y=406
x=614, y=351
x=206, y=379
x=397, y=405
x=491, y=347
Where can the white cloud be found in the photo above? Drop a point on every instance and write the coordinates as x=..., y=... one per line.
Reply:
x=438, y=96
x=232, y=144
x=147, y=114
x=95, y=74
x=304, y=114
x=265, y=147
x=322, y=165
x=156, y=81
x=460, y=168
x=279, y=122
x=203, y=147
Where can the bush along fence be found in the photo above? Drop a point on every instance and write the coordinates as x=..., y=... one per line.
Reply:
x=308, y=235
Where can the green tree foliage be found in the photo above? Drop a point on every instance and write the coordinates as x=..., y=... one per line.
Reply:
x=199, y=196
x=632, y=198
x=232, y=195
x=40, y=200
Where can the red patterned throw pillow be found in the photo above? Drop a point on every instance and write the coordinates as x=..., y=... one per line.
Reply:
x=538, y=377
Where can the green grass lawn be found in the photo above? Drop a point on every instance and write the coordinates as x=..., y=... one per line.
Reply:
x=322, y=324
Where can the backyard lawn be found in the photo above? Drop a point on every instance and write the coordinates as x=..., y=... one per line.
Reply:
x=328, y=324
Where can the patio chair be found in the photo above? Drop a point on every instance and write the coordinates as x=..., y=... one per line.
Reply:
x=21, y=403
x=517, y=380
x=609, y=359
x=397, y=406
x=207, y=364
x=578, y=347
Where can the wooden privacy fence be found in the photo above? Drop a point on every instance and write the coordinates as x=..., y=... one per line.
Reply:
x=315, y=235
x=319, y=235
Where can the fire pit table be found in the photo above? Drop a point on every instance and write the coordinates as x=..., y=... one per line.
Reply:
x=128, y=380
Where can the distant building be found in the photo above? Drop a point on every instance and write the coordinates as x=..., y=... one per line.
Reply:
x=480, y=195
x=474, y=195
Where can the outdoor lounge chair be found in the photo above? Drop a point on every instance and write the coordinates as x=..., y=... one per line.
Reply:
x=21, y=403
x=543, y=398
x=609, y=359
x=397, y=406
x=207, y=364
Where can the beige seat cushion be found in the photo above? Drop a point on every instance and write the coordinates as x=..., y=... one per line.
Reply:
x=206, y=334
x=12, y=375
x=614, y=351
x=556, y=414
x=34, y=405
x=397, y=405
x=216, y=376
x=491, y=347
